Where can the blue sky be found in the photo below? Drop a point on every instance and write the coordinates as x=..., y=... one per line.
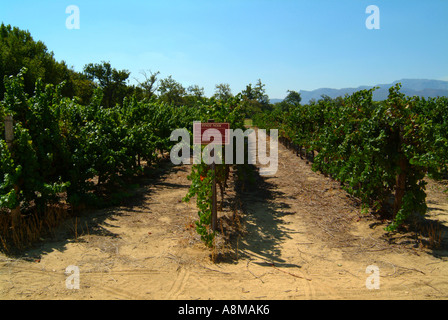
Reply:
x=288, y=44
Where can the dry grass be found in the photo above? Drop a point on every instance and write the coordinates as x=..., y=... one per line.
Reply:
x=433, y=231
x=33, y=226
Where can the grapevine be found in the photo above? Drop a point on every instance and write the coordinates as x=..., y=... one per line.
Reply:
x=377, y=150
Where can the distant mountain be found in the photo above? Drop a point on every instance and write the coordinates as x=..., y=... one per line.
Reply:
x=410, y=87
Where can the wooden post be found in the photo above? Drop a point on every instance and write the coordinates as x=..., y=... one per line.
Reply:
x=214, y=222
x=9, y=137
x=9, y=131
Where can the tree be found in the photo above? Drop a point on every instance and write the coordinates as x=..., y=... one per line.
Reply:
x=171, y=91
x=196, y=91
x=256, y=98
x=257, y=93
x=19, y=50
x=249, y=92
x=195, y=96
x=293, y=98
x=83, y=87
x=223, y=92
x=260, y=93
x=149, y=85
x=110, y=80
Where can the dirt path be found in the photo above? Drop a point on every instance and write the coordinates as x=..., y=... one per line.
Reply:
x=301, y=238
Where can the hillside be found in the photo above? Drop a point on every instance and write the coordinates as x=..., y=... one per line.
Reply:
x=410, y=87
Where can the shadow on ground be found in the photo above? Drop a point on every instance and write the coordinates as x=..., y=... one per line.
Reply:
x=96, y=221
x=264, y=229
x=427, y=232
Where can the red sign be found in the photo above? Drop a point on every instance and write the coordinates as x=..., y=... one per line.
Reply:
x=203, y=133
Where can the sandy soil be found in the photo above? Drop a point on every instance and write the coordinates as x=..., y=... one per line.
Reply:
x=300, y=237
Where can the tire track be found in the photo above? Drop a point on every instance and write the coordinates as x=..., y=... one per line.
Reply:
x=178, y=285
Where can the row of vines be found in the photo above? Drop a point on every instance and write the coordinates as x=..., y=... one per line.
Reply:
x=379, y=151
x=65, y=153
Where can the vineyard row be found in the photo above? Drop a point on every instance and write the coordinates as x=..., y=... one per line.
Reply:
x=380, y=151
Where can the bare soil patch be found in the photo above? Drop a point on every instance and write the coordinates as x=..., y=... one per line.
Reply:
x=293, y=235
